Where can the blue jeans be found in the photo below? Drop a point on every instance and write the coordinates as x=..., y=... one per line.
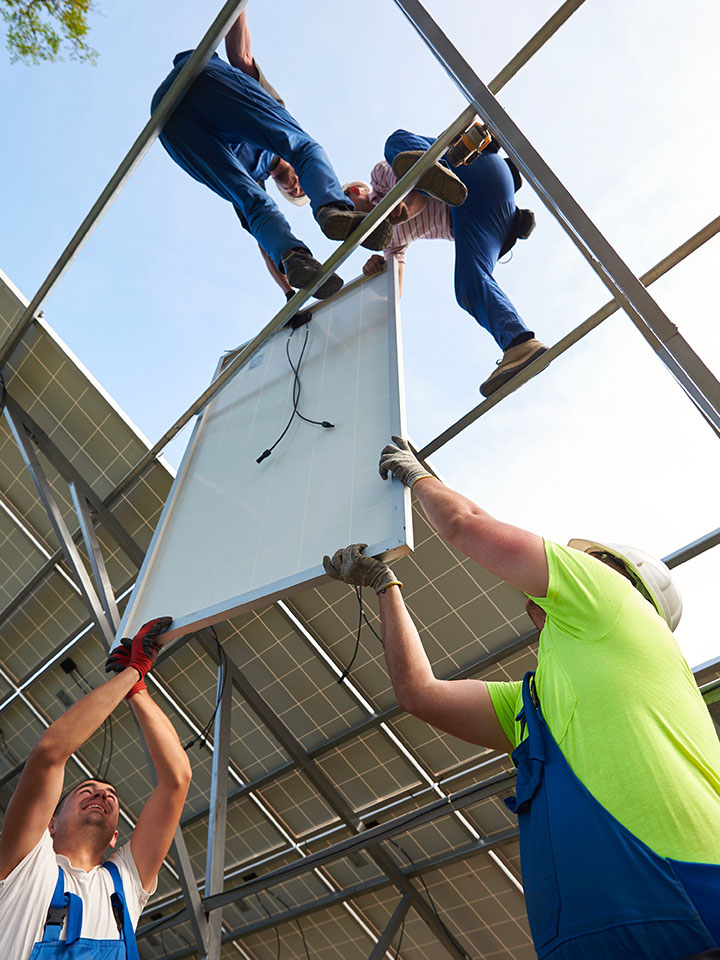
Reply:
x=225, y=133
x=480, y=226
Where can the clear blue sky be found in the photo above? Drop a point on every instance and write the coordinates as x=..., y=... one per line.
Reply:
x=621, y=103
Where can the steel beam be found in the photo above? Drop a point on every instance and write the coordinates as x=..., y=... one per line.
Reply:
x=388, y=934
x=686, y=366
x=217, y=824
x=432, y=811
x=47, y=496
x=286, y=739
x=72, y=476
x=360, y=842
x=546, y=31
x=193, y=904
x=336, y=801
x=204, y=50
x=349, y=893
x=694, y=549
x=97, y=564
x=593, y=321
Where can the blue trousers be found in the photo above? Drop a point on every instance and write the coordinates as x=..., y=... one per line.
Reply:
x=480, y=226
x=225, y=133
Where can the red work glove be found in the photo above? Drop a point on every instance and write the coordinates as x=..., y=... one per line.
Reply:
x=118, y=660
x=140, y=652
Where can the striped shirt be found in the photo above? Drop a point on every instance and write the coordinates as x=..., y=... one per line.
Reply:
x=432, y=223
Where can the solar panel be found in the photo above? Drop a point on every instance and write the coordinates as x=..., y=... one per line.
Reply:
x=236, y=532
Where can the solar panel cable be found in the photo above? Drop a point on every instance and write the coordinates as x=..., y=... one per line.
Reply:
x=297, y=389
x=201, y=737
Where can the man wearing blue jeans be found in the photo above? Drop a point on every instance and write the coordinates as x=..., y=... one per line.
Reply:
x=485, y=223
x=231, y=131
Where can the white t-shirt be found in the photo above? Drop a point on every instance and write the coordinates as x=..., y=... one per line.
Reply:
x=26, y=893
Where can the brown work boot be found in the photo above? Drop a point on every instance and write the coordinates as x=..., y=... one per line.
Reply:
x=513, y=361
x=438, y=181
x=337, y=223
x=301, y=268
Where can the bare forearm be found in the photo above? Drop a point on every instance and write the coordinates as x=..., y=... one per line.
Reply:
x=238, y=47
x=407, y=663
x=68, y=733
x=415, y=203
x=514, y=554
x=277, y=275
x=169, y=760
x=446, y=509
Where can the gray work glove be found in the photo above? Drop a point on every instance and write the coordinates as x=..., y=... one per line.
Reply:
x=352, y=566
x=399, y=459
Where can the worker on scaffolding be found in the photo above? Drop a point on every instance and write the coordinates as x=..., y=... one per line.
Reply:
x=474, y=205
x=618, y=762
x=57, y=896
x=231, y=131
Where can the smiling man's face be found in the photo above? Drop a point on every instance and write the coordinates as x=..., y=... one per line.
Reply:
x=91, y=804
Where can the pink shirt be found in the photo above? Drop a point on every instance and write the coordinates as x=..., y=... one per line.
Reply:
x=433, y=223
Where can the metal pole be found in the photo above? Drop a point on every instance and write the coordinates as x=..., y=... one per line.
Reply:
x=694, y=549
x=47, y=496
x=607, y=310
x=688, y=369
x=97, y=564
x=388, y=933
x=204, y=50
x=217, y=821
x=193, y=903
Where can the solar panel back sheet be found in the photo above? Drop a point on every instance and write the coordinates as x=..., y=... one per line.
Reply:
x=236, y=534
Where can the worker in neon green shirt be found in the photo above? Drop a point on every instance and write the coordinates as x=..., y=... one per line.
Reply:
x=618, y=784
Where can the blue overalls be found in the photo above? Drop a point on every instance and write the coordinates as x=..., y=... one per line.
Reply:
x=75, y=947
x=480, y=226
x=593, y=890
x=226, y=132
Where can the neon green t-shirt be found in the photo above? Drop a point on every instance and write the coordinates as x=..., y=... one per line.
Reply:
x=622, y=704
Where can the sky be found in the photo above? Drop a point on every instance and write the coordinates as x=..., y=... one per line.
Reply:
x=620, y=103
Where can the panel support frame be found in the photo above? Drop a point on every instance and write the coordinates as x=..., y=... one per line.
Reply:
x=663, y=336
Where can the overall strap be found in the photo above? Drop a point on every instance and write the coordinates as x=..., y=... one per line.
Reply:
x=63, y=905
x=122, y=915
x=531, y=715
x=530, y=756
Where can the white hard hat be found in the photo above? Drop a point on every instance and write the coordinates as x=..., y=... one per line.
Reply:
x=651, y=576
x=360, y=184
x=296, y=201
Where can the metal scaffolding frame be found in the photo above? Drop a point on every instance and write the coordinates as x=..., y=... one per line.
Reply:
x=628, y=292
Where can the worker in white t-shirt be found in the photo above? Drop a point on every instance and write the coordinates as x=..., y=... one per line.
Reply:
x=57, y=897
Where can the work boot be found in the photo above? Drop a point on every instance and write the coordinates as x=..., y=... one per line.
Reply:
x=438, y=181
x=337, y=223
x=301, y=268
x=513, y=361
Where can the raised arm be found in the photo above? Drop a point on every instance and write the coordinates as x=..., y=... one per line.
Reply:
x=514, y=554
x=237, y=47
x=460, y=707
x=40, y=786
x=160, y=816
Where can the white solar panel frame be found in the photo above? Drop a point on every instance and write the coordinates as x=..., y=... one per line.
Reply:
x=194, y=562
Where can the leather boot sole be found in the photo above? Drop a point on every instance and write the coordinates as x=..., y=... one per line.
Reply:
x=507, y=372
x=338, y=224
x=438, y=181
x=301, y=271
